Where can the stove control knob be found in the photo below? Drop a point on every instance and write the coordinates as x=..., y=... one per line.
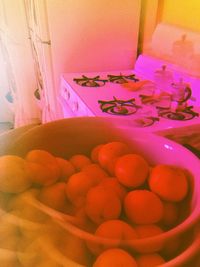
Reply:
x=66, y=94
x=74, y=106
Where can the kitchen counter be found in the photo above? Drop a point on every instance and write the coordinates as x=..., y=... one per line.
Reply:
x=188, y=136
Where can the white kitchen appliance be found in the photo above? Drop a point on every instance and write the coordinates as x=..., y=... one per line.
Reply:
x=74, y=36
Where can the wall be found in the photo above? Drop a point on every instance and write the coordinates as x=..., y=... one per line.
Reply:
x=148, y=20
x=185, y=13
x=93, y=35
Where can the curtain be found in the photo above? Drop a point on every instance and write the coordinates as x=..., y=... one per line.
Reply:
x=16, y=51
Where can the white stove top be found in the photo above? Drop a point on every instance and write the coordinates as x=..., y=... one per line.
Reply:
x=89, y=97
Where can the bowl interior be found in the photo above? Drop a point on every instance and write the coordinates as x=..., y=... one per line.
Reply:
x=65, y=138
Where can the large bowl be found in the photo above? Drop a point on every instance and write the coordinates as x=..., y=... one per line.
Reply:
x=67, y=137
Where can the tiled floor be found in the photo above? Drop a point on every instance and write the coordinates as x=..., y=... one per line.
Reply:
x=5, y=126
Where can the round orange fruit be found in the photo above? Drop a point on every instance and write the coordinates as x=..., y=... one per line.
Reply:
x=150, y=260
x=143, y=207
x=66, y=168
x=78, y=185
x=131, y=170
x=145, y=231
x=117, y=230
x=113, y=184
x=110, y=151
x=114, y=258
x=79, y=161
x=42, y=167
x=102, y=204
x=94, y=155
x=13, y=175
x=169, y=182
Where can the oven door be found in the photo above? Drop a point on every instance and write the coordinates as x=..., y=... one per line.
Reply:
x=66, y=110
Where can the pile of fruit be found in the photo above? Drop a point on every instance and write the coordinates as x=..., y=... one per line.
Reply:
x=113, y=194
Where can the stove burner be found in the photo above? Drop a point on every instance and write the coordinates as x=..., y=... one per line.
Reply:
x=181, y=115
x=119, y=107
x=90, y=82
x=145, y=121
x=122, y=78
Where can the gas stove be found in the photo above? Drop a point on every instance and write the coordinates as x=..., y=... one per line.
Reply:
x=103, y=95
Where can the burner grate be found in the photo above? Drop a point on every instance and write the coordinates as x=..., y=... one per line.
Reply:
x=97, y=81
x=181, y=115
x=145, y=121
x=122, y=78
x=90, y=82
x=119, y=107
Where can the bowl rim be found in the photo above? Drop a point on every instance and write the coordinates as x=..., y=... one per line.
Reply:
x=185, y=255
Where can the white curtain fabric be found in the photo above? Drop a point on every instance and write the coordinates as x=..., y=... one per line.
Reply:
x=6, y=113
x=19, y=63
x=25, y=106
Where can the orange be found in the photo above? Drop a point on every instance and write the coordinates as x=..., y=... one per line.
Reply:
x=131, y=170
x=102, y=204
x=113, y=184
x=42, y=167
x=40, y=156
x=54, y=196
x=143, y=207
x=13, y=174
x=170, y=214
x=110, y=151
x=79, y=161
x=95, y=153
x=169, y=182
x=111, y=166
x=42, y=175
x=66, y=168
x=95, y=171
x=113, y=229
x=114, y=258
x=150, y=260
x=147, y=230
x=78, y=185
